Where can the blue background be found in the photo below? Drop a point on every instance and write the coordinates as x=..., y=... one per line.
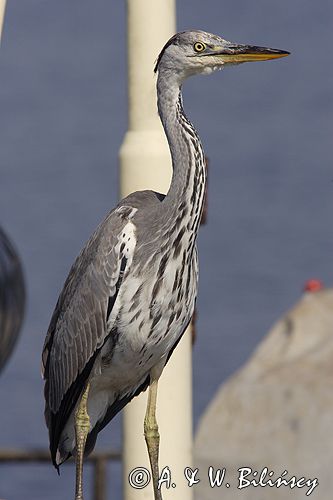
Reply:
x=267, y=130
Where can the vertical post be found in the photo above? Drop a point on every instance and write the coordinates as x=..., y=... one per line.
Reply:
x=145, y=164
x=100, y=465
x=2, y=15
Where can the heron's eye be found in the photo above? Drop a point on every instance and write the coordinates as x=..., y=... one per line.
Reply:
x=199, y=46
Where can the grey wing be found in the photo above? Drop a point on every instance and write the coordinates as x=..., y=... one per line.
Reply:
x=83, y=316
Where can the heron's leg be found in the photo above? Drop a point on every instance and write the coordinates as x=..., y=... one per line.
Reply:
x=82, y=427
x=152, y=437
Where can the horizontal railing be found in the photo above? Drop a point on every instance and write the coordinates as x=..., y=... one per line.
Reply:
x=99, y=461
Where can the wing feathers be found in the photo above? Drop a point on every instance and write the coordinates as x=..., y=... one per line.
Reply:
x=85, y=314
x=78, y=326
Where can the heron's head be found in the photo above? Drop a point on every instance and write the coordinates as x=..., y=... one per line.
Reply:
x=194, y=52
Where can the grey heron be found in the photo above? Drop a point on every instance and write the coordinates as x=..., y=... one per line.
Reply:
x=131, y=292
x=12, y=297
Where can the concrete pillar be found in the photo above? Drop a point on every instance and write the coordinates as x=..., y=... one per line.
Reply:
x=145, y=164
x=2, y=14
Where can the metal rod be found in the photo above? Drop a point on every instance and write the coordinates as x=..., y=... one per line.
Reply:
x=44, y=456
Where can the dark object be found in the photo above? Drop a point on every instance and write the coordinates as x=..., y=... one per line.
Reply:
x=12, y=298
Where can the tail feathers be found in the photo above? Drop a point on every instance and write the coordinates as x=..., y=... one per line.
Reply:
x=66, y=442
x=59, y=460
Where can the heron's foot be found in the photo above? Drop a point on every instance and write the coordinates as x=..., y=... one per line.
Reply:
x=82, y=427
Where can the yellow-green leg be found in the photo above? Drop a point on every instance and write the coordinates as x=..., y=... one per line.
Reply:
x=152, y=437
x=82, y=427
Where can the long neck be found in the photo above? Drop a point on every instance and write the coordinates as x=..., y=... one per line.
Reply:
x=186, y=194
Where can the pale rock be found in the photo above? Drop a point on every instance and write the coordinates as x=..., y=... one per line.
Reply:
x=277, y=411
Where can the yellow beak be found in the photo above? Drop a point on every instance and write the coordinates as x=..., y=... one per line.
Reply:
x=247, y=53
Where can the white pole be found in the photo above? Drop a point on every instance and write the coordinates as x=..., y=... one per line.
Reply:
x=2, y=15
x=145, y=164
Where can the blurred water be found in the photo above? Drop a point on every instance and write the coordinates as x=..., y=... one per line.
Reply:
x=267, y=130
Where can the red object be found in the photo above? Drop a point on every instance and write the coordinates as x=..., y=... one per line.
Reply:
x=313, y=286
